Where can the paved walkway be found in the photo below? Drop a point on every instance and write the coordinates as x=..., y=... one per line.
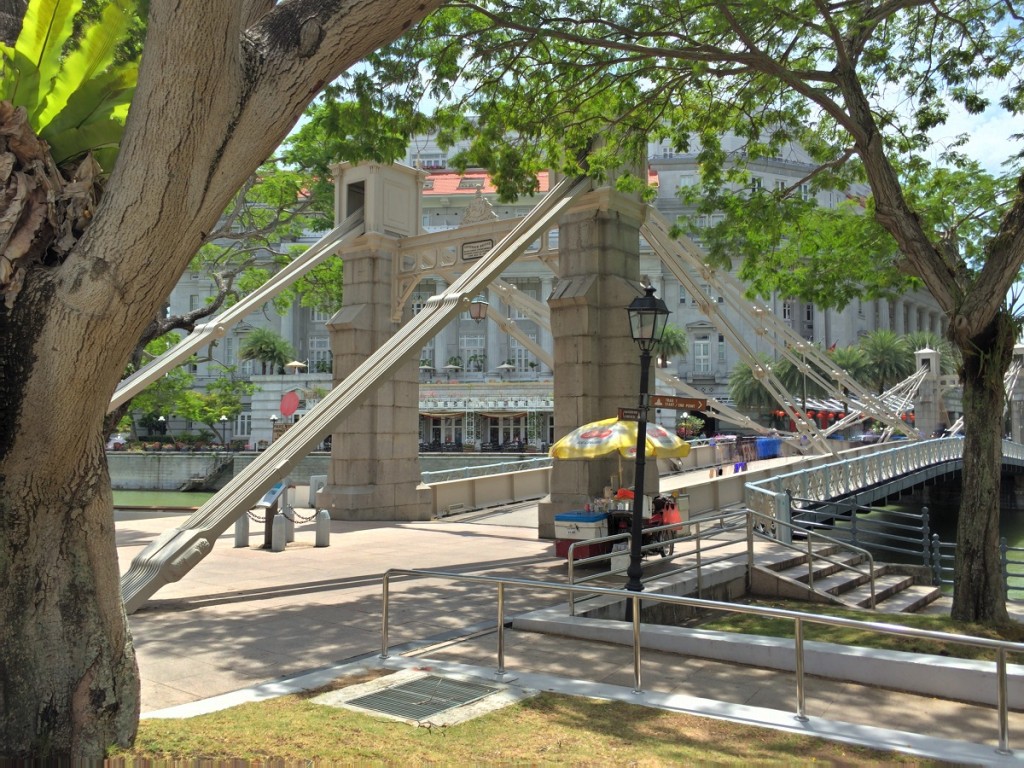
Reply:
x=245, y=622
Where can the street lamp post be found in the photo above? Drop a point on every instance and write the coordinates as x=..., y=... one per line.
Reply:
x=273, y=425
x=648, y=316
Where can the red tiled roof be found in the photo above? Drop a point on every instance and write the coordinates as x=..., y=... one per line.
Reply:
x=447, y=182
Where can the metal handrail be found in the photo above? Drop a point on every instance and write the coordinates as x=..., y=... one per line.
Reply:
x=1001, y=647
x=607, y=556
x=811, y=556
x=699, y=551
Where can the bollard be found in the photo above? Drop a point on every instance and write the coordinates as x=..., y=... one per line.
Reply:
x=289, y=526
x=242, y=531
x=323, y=528
x=277, y=536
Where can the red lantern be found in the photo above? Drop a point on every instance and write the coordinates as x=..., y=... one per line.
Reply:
x=810, y=414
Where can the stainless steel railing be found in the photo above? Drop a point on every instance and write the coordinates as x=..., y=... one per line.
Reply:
x=1001, y=647
x=696, y=557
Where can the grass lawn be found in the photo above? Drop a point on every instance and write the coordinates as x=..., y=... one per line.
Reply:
x=547, y=729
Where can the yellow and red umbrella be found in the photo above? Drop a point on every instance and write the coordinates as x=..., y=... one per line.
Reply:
x=600, y=438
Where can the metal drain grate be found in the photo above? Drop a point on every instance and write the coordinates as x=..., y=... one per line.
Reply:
x=422, y=698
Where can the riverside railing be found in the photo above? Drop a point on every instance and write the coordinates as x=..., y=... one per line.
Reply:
x=828, y=481
x=1001, y=647
x=904, y=533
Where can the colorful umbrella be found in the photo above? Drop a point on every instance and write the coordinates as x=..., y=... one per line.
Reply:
x=599, y=438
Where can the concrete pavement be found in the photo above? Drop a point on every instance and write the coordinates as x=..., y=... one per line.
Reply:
x=247, y=623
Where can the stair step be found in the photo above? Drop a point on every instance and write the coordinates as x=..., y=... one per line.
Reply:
x=785, y=559
x=885, y=585
x=823, y=569
x=912, y=599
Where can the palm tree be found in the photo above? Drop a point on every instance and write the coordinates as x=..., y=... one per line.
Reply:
x=853, y=360
x=268, y=348
x=746, y=389
x=673, y=342
x=890, y=358
x=949, y=357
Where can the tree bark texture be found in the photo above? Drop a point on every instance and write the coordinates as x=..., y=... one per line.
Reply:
x=221, y=83
x=979, y=593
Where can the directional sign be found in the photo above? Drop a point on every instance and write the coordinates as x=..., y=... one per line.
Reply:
x=679, y=403
x=629, y=414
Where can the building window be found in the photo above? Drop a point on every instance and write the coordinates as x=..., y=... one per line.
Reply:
x=809, y=313
x=320, y=354
x=243, y=424
x=320, y=317
x=471, y=348
x=506, y=429
x=471, y=183
x=787, y=310
x=805, y=191
x=721, y=349
x=229, y=351
x=702, y=353
x=193, y=302
x=446, y=429
x=520, y=355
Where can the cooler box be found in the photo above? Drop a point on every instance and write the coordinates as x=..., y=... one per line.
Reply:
x=579, y=526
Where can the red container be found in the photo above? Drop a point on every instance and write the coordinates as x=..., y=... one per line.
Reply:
x=584, y=550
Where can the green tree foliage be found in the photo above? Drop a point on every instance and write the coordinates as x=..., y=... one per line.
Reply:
x=890, y=358
x=76, y=95
x=221, y=397
x=674, y=343
x=949, y=357
x=746, y=390
x=268, y=349
x=852, y=360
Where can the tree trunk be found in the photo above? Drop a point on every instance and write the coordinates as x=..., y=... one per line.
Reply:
x=979, y=593
x=220, y=85
x=68, y=678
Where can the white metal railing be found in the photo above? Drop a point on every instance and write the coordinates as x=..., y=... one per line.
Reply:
x=1001, y=647
x=769, y=496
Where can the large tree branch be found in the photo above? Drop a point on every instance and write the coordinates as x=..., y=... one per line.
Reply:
x=230, y=100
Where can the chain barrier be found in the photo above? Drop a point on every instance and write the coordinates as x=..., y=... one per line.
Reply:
x=299, y=518
x=290, y=513
x=257, y=518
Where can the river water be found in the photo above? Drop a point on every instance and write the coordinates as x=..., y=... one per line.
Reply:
x=169, y=501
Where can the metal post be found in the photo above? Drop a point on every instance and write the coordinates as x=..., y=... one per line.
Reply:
x=1004, y=565
x=799, y=646
x=936, y=560
x=925, y=526
x=1002, y=700
x=384, y=618
x=501, y=628
x=635, y=571
x=699, y=580
x=635, y=602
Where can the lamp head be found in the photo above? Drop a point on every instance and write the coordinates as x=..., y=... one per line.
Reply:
x=478, y=308
x=648, y=317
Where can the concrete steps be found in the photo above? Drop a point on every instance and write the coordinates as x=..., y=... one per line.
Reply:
x=839, y=576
